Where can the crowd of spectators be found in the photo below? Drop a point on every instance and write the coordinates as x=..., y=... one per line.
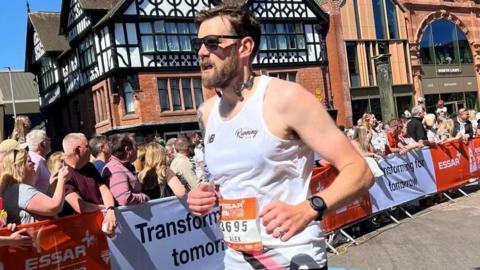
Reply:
x=415, y=129
x=89, y=175
x=101, y=173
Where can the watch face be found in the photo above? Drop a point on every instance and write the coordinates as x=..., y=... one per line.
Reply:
x=318, y=203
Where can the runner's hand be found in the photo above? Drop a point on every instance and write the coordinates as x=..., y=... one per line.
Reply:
x=284, y=220
x=201, y=199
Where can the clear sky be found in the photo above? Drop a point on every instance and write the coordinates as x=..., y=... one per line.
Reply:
x=13, y=28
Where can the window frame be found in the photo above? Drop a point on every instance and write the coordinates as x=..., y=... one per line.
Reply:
x=157, y=33
x=273, y=35
x=130, y=94
x=168, y=92
x=459, y=50
x=87, y=52
x=284, y=75
x=47, y=73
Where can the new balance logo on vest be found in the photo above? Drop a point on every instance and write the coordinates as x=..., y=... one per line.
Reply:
x=211, y=138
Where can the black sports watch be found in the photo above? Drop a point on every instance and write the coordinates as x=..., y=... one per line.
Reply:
x=318, y=204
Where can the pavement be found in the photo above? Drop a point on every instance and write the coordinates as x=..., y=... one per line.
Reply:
x=444, y=236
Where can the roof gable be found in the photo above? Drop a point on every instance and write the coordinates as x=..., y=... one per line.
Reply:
x=46, y=26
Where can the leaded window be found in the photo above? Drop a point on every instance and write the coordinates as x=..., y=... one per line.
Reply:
x=128, y=97
x=87, y=52
x=47, y=73
x=282, y=36
x=164, y=36
x=177, y=94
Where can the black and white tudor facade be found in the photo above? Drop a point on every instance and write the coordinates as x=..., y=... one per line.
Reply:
x=95, y=61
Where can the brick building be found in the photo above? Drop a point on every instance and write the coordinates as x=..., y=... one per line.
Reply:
x=444, y=38
x=359, y=31
x=108, y=66
x=434, y=52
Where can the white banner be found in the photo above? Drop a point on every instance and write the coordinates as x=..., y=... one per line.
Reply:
x=163, y=234
x=406, y=177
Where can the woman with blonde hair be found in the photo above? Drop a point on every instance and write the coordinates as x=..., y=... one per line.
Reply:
x=140, y=160
x=54, y=164
x=157, y=179
x=362, y=142
x=21, y=128
x=23, y=202
x=473, y=119
x=368, y=121
x=430, y=126
x=446, y=131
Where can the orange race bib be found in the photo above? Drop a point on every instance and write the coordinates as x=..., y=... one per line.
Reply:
x=239, y=224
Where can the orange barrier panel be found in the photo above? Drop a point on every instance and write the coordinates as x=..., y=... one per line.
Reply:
x=75, y=242
x=451, y=165
x=321, y=179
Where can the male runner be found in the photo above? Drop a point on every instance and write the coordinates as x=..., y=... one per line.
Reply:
x=259, y=141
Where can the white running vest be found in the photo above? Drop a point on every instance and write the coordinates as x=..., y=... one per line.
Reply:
x=247, y=160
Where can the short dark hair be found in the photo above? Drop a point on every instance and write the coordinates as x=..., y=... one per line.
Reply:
x=118, y=142
x=241, y=19
x=96, y=143
x=182, y=144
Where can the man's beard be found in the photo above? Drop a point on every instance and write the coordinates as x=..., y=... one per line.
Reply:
x=223, y=76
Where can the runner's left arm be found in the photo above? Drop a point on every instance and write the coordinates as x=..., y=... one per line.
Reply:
x=305, y=116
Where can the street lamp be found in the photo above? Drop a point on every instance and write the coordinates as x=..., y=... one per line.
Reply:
x=11, y=92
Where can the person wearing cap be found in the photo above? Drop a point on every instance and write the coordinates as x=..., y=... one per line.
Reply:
x=441, y=111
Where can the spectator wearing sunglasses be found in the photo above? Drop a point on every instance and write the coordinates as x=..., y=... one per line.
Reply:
x=86, y=191
x=23, y=202
x=260, y=134
x=462, y=124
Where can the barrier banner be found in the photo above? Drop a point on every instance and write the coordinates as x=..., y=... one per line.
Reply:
x=321, y=179
x=75, y=242
x=406, y=178
x=451, y=165
x=474, y=158
x=163, y=234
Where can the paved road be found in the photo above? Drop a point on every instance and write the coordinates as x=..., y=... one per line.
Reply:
x=445, y=236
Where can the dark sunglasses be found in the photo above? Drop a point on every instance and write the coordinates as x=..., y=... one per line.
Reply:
x=211, y=41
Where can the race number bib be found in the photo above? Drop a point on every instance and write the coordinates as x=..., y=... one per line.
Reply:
x=238, y=221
